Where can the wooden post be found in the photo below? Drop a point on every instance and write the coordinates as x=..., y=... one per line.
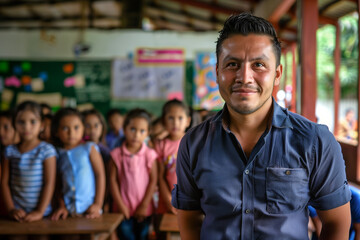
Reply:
x=309, y=17
x=337, y=79
x=293, y=80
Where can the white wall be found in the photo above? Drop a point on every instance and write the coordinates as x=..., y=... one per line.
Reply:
x=58, y=44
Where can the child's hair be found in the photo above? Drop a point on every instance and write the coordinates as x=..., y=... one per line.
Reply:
x=63, y=112
x=137, y=113
x=102, y=121
x=48, y=116
x=32, y=106
x=112, y=112
x=9, y=114
x=45, y=106
x=171, y=103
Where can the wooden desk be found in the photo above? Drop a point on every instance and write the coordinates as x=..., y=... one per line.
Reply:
x=93, y=229
x=169, y=225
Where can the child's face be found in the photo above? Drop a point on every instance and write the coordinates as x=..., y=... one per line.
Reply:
x=176, y=121
x=28, y=125
x=116, y=122
x=136, y=132
x=93, y=128
x=7, y=132
x=158, y=131
x=70, y=131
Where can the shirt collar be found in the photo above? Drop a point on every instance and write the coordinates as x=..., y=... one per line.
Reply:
x=280, y=117
x=140, y=152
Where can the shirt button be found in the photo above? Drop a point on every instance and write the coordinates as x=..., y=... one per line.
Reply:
x=247, y=171
x=247, y=211
x=72, y=188
x=287, y=172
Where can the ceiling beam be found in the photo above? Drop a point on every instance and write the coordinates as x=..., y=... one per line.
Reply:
x=280, y=10
x=210, y=7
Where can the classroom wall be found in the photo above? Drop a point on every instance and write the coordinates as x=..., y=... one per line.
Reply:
x=58, y=44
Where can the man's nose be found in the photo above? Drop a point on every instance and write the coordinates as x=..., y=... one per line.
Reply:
x=244, y=74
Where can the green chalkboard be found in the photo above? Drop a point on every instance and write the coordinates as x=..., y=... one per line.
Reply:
x=78, y=82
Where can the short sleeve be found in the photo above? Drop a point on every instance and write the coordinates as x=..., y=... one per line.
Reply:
x=115, y=156
x=48, y=151
x=328, y=184
x=90, y=144
x=8, y=151
x=185, y=194
x=312, y=212
x=355, y=204
x=150, y=158
x=159, y=149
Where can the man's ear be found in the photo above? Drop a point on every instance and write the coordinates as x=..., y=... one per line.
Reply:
x=278, y=74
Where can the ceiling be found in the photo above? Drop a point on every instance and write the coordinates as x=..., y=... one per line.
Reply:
x=178, y=15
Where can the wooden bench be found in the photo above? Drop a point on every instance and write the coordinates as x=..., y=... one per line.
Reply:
x=94, y=229
x=169, y=224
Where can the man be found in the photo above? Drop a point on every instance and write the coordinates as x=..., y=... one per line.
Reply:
x=250, y=171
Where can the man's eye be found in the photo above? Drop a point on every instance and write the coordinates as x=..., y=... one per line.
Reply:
x=231, y=64
x=259, y=65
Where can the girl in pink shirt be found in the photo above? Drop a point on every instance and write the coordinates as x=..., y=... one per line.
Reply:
x=176, y=119
x=133, y=177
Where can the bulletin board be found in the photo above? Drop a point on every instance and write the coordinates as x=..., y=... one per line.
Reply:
x=57, y=83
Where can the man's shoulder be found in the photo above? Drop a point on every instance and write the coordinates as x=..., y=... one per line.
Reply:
x=201, y=130
x=300, y=123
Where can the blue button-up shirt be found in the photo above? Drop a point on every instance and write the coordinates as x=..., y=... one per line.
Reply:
x=78, y=179
x=295, y=163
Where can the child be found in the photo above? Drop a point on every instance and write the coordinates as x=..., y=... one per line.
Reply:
x=45, y=134
x=95, y=129
x=30, y=166
x=133, y=177
x=80, y=168
x=8, y=136
x=157, y=132
x=116, y=133
x=176, y=119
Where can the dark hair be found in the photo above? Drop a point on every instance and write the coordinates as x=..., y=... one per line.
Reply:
x=137, y=113
x=45, y=105
x=63, y=112
x=171, y=103
x=102, y=121
x=245, y=24
x=32, y=106
x=112, y=112
x=9, y=114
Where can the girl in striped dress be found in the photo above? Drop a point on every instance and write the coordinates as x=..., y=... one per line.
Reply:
x=30, y=167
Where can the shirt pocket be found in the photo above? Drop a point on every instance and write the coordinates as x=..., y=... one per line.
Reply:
x=287, y=189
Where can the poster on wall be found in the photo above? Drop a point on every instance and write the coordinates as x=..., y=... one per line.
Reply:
x=159, y=56
x=146, y=82
x=206, y=95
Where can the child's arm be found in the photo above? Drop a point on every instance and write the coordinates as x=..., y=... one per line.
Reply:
x=164, y=190
x=141, y=210
x=17, y=214
x=61, y=211
x=95, y=210
x=115, y=190
x=49, y=171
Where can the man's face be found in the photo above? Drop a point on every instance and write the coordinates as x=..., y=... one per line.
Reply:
x=246, y=72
